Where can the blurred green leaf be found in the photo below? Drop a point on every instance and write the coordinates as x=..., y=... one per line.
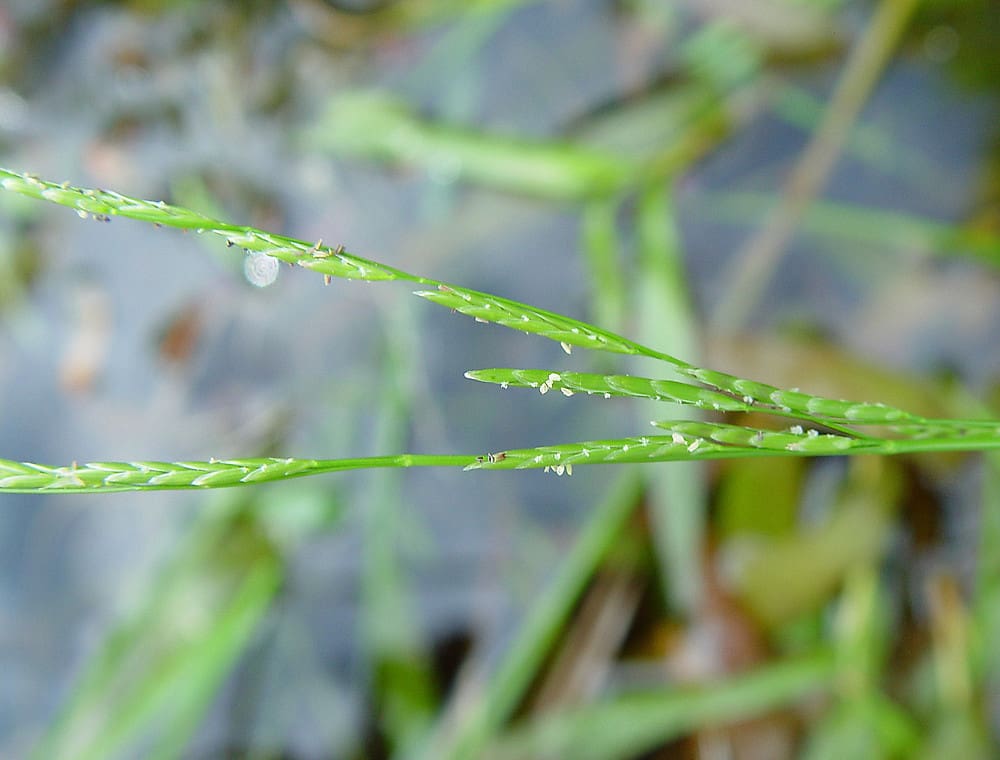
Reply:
x=807, y=567
x=403, y=687
x=630, y=724
x=599, y=242
x=678, y=495
x=759, y=497
x=868, y=726
x=377, y=126
x=841, y=223
x=480, y=720
x=155, y=676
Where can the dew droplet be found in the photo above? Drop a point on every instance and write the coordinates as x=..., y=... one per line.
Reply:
x=566, y=347
x=260, y=269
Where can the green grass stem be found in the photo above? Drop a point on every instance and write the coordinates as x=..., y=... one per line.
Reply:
x=687, y=440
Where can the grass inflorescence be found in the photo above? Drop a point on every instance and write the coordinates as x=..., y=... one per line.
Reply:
x=826, y=426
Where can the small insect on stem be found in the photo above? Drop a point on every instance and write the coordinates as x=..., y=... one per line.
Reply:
x=493, y=458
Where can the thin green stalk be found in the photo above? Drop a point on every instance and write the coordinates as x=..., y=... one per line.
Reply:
x=109, y=477
x=688, y=441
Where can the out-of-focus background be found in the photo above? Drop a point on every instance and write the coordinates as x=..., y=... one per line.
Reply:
x=801, y=191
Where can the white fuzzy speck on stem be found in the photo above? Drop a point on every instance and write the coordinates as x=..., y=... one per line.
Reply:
x=260, y=269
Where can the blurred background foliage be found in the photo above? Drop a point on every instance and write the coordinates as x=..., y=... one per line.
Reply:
x=803, y=191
